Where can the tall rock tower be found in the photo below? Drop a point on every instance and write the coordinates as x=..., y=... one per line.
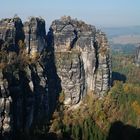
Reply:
x=35, y=35
x=82, y=58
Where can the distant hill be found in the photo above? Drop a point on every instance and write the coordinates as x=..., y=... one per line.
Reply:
x=123, y=39
x=120, y=31
x=126, y=39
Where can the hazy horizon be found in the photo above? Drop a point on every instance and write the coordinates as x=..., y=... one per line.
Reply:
x=101, y=13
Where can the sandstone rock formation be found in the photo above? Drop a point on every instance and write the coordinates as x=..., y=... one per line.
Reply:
x=5, y=104
x=72, y=58
x=24, y=98
x=10, y=33
x=82, y=58
x=35, y=35
x=137, y=57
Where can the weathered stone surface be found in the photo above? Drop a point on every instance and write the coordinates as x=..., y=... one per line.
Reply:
x=75, y=61
x=35, y=35
x=102, y=79
x=137, y=57
x=11, y=32
x=5, y=103
x=69, y=37
x=24, y=98
x=70, y=70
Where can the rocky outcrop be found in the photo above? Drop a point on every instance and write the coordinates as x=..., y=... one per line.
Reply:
x=71, y=72
x=11, y=32
x=137, y=57
x=5, y=103
x=82, y=58
x=103, y=72
x=34, y=68
x=35, y=35
x=24, y=98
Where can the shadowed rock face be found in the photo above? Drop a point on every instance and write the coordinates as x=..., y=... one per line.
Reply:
x=82, y=58
x=75, y=59
x=137, y=57
x=11, y=32
x=35, y=35
x=24, y=98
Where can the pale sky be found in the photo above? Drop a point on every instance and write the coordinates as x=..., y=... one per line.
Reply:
x=105, y=13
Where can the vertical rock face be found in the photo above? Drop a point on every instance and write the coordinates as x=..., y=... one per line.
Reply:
x=75, y=60
x=82, y=58
x=137, y=57
x=71, y=72
x=35, y=35
x=103, y=72
x=11, y=32
x=24, y=98
x=5, y=103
